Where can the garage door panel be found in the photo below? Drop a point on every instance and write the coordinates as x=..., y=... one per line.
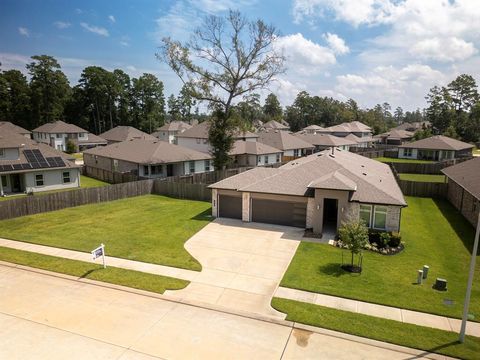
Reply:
x=230, y=206
x=279, y=212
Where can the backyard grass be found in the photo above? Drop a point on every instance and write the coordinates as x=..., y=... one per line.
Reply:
x=147, y=228
x=434, y=234
x=395, y=332
x=88, y=182
x=423, y=177
x=396, y=160
x=113, y=275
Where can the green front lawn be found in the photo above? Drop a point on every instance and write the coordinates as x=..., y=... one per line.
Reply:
x=396, y=160
x=434, y=234
x=113, y=275
x=423, y=177
x=147, y=228
x=395, y=332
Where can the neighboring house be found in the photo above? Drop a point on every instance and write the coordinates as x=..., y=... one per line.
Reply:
x=464, y=188
x=435, y=148
x=292, y=146
x=275, y=125
x=413, y=127
x=148, y=158
x=196, y=137
x=312, y=129
x=253, y=153
x=325, y=141
x=124, y=133
x=355, y=127
x=6, y=125
x=27, y=166
x=169, y=132
x=395, y=137
x=58, y=133
x=319, y=191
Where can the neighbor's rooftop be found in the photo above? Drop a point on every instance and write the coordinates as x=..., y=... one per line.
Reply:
x=438, y=142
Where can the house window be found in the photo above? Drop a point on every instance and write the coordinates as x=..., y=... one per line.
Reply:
x=380, y=217
x=115, y=164
x=191, y=167
x=39, y=180
x=407, y=152
x=266, y=159
x=295, y=152
x=4, y=181
x=205, y=141
x=96, y=159
x=278, y=158
x=2, y=153
x=259, y=160
x=59, y=136
x=207, y=165
x=366, y=214
x=198, y=141
x=66, y=177
x=145, y=169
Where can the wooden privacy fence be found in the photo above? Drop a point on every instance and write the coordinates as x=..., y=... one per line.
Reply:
x=423, y=189
x=425, y=168
x=183, y=190
x=109, y=176
x=36, y=204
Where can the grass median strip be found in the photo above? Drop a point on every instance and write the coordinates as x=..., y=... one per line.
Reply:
x=130, y=278
x=394, y=332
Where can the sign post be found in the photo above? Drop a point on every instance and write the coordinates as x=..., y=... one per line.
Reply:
x=469, y=283
x=99, y=251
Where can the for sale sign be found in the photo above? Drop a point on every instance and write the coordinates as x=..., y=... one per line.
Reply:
x=99, y=251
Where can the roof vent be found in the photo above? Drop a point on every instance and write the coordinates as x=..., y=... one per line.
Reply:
x=364, y=174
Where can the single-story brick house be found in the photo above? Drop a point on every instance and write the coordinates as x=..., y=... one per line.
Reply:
x=436, y=148
x=169, y=132
x=124, y=133
x=464, y=188
x=253, y=153
x=319, y=191
x=148, y=158
x=325, y=141
x=395, y=137
x=291, y=146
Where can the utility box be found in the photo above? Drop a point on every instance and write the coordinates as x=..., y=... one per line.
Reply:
x=420, y=277
x=441, y=284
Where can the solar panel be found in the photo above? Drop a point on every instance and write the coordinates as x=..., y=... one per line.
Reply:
x=17, y=166
x=55, y=161
x=35, y=165
x=26, y=166
x=29, y=155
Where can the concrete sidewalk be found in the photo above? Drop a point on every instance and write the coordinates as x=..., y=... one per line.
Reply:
x=381, y=311
x=111, y=261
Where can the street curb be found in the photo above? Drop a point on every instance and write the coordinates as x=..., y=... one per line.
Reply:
x=258, y=317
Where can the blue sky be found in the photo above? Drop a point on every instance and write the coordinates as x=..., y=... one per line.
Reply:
x=369, y=50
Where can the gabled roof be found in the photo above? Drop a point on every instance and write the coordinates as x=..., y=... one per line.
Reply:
x=252, y=148
x=59, y=127
x=375, y=182
x=396, y=134
x=334, y=181
x=9, y=139
x=467, y=175
x=325, y=140
x=6, y=125
x=92, y=139
x=175, y=126
x=354, y=126
x=141, y=151
x=438, y=142
x=282, y=140
x=272, y=124
x=313, y=127
x=124, y=133
x=413, y=126
x=200, y=131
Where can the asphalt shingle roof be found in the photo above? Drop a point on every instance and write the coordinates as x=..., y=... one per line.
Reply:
x=467, y=175
x=253, y=148
x=374, y=181
x=438, y=142
x=59, y=127
x=282, y=140
x=325, y=140
x=124, y=133
x=13, y=128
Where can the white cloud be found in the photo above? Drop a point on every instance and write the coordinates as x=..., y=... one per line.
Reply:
x=24, y=31
x=336, y=43
x=112, y=18
x=95, y=29
x=62, y=24
x=355, y=12
x=217, y=6
x=303, y=55
x=406, y=85
x=78, y=11
x=446, y=50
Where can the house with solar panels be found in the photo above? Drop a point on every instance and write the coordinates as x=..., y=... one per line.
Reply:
x=27, y=166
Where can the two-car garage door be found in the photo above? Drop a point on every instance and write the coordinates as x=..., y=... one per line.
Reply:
x=279, y=212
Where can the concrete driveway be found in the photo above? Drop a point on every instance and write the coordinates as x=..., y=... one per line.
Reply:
x=243, y=264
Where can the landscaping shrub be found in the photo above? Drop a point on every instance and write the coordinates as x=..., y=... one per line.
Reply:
x=395, y=239
x=385, y=239
x=374, y=237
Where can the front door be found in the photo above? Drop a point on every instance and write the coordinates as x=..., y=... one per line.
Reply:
x=16, y=183
x=330, y=214
x=169, y=169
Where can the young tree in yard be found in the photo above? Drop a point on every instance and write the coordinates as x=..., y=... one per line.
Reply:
x=354, y=235
x=227, y=57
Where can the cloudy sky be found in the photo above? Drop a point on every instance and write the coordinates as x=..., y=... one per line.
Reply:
x=369, y=50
